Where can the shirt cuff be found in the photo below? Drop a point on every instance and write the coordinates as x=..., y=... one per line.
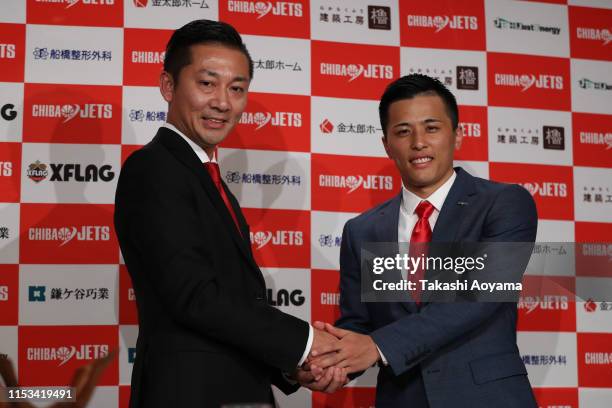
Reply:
x=308, y=345
x=382, y=357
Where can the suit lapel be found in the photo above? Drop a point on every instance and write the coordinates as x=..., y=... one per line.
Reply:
x=452, y=215
x=386, y=231
x=454, y=208
x=185, y=155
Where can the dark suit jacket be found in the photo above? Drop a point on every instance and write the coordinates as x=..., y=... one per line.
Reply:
x=206, y=333
x=444, y=354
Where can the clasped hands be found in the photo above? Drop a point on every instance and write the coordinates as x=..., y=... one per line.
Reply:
x=335, y=353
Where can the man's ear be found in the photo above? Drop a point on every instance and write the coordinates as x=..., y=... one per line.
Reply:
x=386, y=146
x=458, y=137
x=166, y=86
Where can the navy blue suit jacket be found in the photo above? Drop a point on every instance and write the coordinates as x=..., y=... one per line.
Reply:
x=444, y=354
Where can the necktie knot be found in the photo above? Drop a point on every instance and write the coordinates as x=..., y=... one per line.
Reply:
x=424, y=209
x=215, y=173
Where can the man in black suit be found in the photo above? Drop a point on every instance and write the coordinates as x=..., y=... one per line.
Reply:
x=206, y=333
x=433, y=354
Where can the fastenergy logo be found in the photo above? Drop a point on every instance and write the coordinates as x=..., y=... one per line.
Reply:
x=586, y=33
x=66, y=234
x=64, y=354
x=369, y=182
x=277, y=238
x=70, y=3
x=354, y=71
x=454, y=22
x=263, y=8
x=276, y=119
x=502, y=23
x=70, y=111
x=526, y=81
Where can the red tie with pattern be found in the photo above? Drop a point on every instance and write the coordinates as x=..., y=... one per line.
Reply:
x=215, y=174
x=421, y=234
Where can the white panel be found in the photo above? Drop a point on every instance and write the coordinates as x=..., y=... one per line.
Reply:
x=592, y=194
x=167, y=14
x=591, y=86
x=102, y=66
x=537, y=348
x=346, y=127
x=523, y=27
x=144, y=111
x=281, y=65
x=357, y=21
x=265, y=179
x=11, y=112
x=74, y=160
x=68, y=294
x=530, y=136
x=445, y=65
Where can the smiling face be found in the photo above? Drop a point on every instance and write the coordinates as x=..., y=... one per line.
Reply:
x=421, y=141
x=210, y=95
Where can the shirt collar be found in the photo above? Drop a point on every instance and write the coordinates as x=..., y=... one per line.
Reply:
x=202, y=155
x=410, y=201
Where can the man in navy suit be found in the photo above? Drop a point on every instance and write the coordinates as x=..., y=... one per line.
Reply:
x=434, y=355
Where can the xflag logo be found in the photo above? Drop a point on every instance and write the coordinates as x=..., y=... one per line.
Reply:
x=140, y=3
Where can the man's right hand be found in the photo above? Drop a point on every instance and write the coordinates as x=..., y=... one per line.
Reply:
x=321, y=340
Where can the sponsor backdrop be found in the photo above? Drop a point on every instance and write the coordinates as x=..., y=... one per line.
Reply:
x=78, y=94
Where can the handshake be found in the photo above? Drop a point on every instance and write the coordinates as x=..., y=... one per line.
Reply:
x=335, y=353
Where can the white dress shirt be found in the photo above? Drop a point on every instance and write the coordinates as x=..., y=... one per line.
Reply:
x=203, y=156
x=408, y=218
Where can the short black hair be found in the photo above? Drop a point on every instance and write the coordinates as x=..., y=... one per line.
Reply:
x=178, y=53
x=409, y=86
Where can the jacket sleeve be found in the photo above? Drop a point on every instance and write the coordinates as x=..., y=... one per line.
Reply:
x=156, y=214
x=407, y=341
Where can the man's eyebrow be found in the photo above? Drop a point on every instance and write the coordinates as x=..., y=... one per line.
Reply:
x=428, y=120
x=214, y=74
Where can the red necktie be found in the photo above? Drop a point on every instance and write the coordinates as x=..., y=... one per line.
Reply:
x=215, y=175
x=420, y=234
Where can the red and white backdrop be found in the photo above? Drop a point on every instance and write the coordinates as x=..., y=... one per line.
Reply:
x=78, y=81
